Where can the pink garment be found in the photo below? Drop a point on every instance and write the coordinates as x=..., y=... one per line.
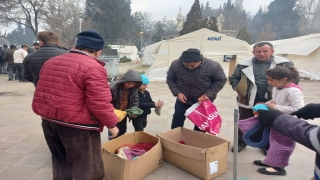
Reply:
x=131, y=153
x=293, y=85
x=281, y=148
x=143, y=146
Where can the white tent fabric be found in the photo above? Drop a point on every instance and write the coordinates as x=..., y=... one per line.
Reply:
x=303, y=51
x=149, y=53
x=128, y=51
x=212, y=45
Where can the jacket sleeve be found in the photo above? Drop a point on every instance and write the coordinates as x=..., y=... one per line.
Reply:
x=296, y=102
x=218, y=79
x=98, y=97
x=135, y=98
x=299, y=131
x=27, y=74
x=235, y=77
x=172, y=81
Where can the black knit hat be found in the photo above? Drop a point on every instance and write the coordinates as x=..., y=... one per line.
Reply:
x=90, y=39
x=191, y=55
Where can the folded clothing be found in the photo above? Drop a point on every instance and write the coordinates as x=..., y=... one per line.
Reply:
x=134, y=111
x=133, y=153
x=257, y=136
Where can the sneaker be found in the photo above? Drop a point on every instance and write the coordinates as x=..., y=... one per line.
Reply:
x=10, y=80
x=241, y=146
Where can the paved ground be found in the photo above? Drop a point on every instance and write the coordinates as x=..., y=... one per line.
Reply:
x=24, y=154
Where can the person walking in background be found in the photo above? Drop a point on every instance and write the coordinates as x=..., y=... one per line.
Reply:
x=193, y=78
x=145, y=103
x=35, y=45
x=250, y=82
x=74, y=101
x=125, y=96
x=3, y=63
x=296, y=129
x=8, y=57
x=50, y=42
x=287, y=97
x=18, y=57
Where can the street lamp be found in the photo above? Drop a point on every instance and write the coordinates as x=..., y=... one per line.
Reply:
x=140, y=34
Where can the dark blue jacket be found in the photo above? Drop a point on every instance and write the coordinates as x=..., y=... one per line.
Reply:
x=302, y=132
x=145, y=102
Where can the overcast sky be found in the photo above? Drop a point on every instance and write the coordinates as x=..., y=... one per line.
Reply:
x=170, y=8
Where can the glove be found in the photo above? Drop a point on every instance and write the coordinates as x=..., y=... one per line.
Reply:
x=267, y=117
x=309, y=111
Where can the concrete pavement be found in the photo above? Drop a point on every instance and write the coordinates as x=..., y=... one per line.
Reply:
x=24, y=154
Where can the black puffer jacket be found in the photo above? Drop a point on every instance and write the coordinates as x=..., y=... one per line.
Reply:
x=208, y=78
x=34, y=61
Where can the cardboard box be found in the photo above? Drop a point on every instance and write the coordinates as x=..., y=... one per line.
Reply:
x=203, y=155
x=116, y=168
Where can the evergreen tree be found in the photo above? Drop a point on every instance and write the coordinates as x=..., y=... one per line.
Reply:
x=112, y=18
x=194, y=19
x=256, y=24
x=284, y=17
x=211, y=24
x=244, y=35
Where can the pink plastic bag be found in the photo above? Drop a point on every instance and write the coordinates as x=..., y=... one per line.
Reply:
x=205, y=116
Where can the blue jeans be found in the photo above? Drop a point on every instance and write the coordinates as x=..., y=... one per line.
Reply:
x=3, y=67
x=179, y=117
x=11, y=69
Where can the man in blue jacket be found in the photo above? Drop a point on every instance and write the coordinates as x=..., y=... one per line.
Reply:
x=296, y=129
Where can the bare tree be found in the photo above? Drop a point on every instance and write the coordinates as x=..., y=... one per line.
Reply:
x=24, y=12
x=266, y=34
x=310, y=11
x=63, y=17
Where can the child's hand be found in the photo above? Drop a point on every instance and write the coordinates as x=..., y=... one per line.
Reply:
x=158, y=104
x=271, y=105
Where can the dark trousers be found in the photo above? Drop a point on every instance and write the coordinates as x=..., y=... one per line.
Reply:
x=243, y=114
x=179, y=117
x=19, y=71
x=76, y=153
x=139, y=123
x=122, y=126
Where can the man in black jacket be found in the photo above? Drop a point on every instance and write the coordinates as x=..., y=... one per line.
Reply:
x=193, y=78
x=49, y=47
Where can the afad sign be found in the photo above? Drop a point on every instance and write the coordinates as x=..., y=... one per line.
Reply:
x=214, y=38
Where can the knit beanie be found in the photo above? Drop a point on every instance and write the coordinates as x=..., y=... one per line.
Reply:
x=191, y=55
x=90, y=39
x=145, y=79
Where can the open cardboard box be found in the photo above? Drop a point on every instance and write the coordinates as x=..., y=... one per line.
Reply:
x=116, y=168
x=202, y=155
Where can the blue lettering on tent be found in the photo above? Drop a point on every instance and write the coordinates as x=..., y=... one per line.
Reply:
x=214, y=38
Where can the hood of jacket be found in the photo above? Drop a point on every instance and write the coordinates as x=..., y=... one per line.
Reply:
x=129, y=76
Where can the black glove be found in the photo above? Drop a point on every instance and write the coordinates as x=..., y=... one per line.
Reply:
x=309, y=111
x=267, y=117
